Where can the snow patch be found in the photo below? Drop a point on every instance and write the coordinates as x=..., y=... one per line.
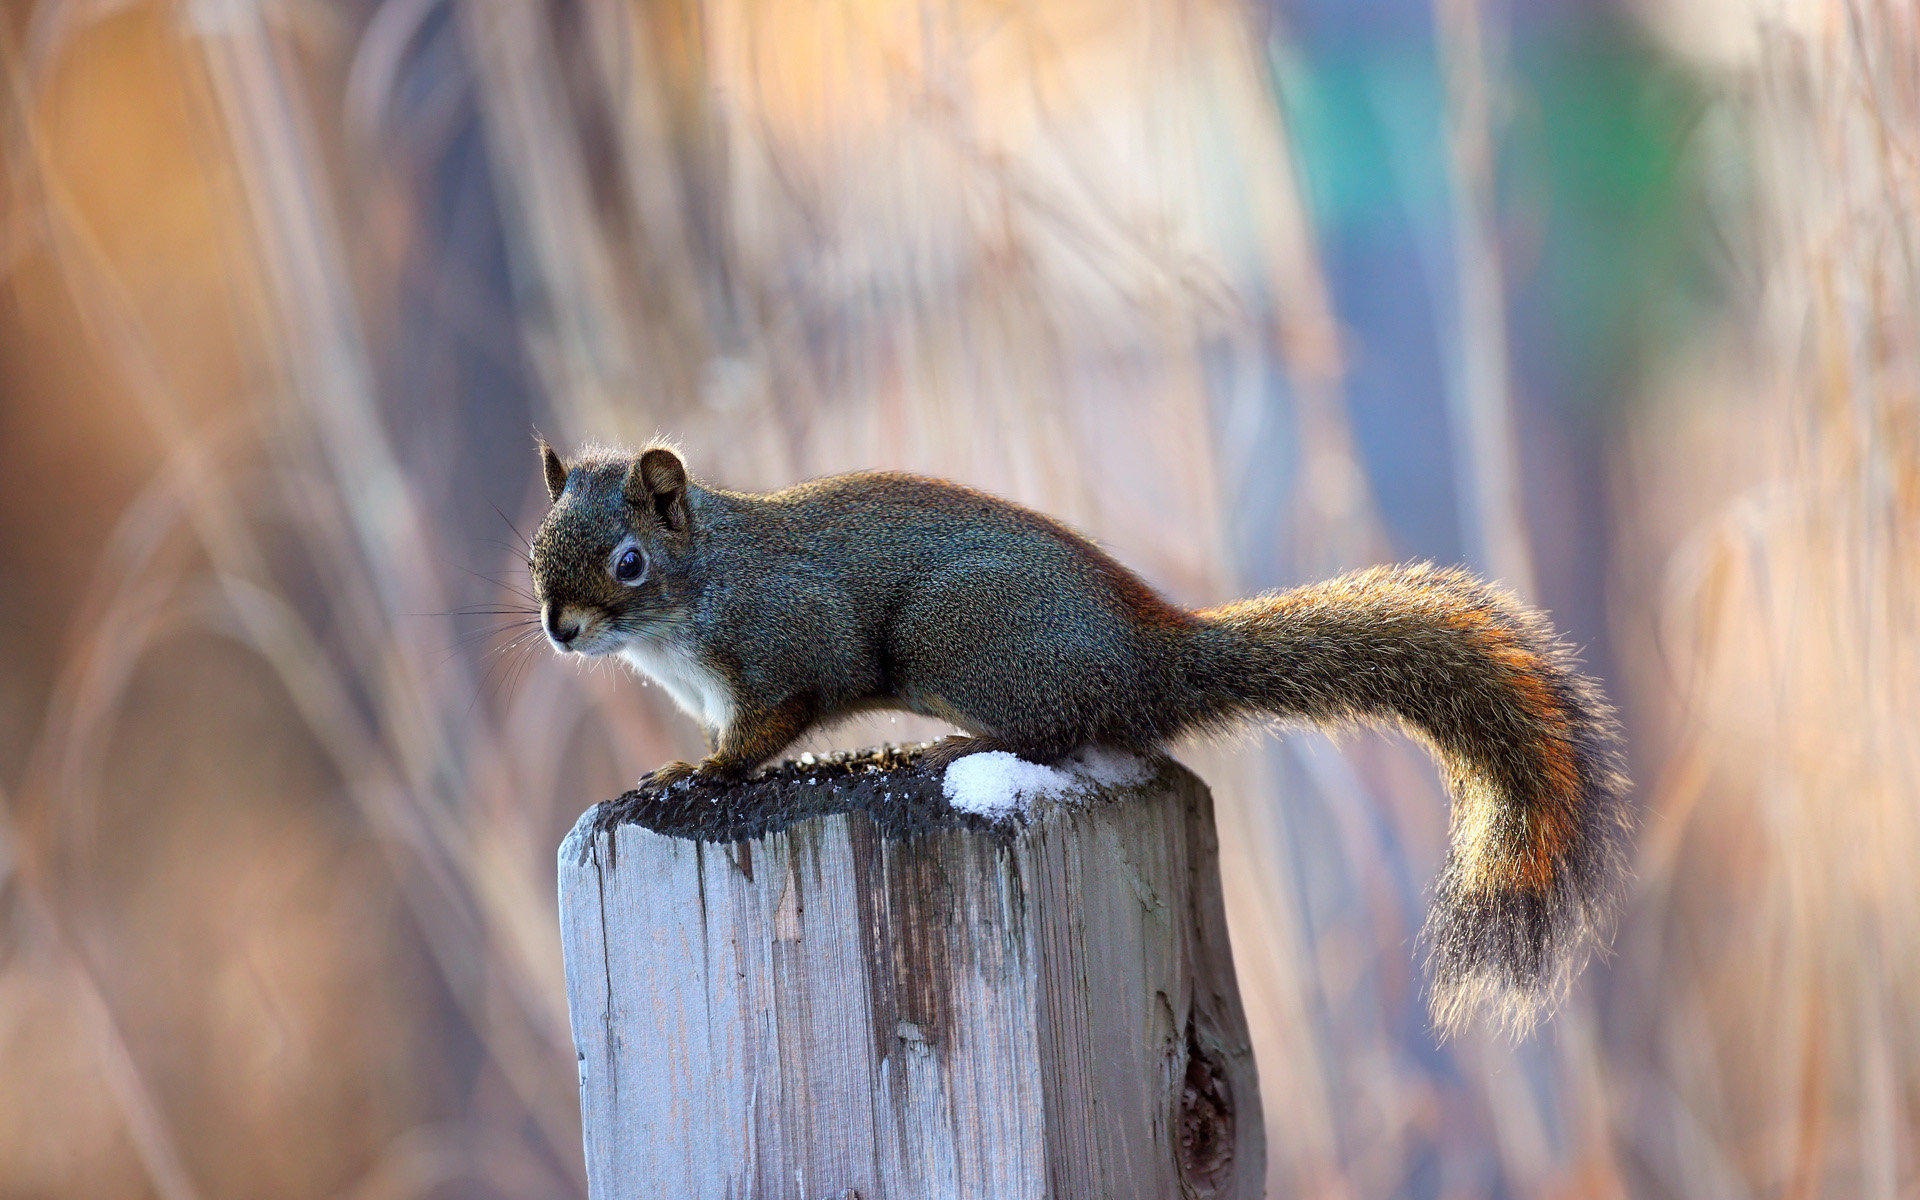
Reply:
x=1110, y=768
x=995, y=783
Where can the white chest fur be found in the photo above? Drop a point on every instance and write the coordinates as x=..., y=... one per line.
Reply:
x=694, y=686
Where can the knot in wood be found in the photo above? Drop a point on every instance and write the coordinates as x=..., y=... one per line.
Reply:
x=1206, y=1121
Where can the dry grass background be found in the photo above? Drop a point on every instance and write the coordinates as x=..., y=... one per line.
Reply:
x=287, y=286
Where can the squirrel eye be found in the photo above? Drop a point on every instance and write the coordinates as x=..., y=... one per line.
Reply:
x=627, y=567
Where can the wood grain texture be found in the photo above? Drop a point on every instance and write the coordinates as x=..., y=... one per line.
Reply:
x=1023, y=1009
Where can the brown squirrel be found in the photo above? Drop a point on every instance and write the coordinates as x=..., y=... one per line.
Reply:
x=764, y=615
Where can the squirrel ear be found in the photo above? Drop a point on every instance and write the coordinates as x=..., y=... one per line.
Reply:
x=657, y=482
x=556, y=472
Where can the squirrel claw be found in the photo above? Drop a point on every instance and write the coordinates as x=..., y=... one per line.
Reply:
x=666, y=775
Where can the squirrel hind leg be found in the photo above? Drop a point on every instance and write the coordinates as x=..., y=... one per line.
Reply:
x=948, y=750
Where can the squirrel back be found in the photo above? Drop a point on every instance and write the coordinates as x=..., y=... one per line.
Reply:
x=765, y=615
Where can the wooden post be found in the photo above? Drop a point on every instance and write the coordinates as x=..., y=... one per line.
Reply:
x=827, y=983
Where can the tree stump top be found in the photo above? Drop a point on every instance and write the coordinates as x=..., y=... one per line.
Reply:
x=892, y=786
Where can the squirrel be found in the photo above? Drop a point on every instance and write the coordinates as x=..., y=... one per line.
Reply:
x=764, y=615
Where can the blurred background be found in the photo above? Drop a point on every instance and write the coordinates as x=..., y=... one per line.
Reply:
x=1616, y=301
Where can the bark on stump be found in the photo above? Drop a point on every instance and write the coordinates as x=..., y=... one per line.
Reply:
x=826, y=982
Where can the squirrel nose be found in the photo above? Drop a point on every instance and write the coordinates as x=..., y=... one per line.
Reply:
x=561, y=631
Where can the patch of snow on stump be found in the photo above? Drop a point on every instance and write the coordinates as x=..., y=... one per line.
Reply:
x=1110, y=768
x=995, y=783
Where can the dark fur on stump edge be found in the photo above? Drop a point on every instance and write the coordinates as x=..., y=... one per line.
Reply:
x=827, y=981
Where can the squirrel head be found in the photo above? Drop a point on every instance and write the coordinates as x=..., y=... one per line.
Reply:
x=608, y=562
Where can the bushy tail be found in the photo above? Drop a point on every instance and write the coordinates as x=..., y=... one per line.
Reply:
x=1528, y=745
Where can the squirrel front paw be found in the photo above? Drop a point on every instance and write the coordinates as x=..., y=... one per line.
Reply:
x=666, y=775
x=716, y=769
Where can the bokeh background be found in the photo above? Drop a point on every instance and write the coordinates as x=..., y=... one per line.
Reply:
x=1616, y=301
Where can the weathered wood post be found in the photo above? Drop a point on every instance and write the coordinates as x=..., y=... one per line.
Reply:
x=828, y=982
